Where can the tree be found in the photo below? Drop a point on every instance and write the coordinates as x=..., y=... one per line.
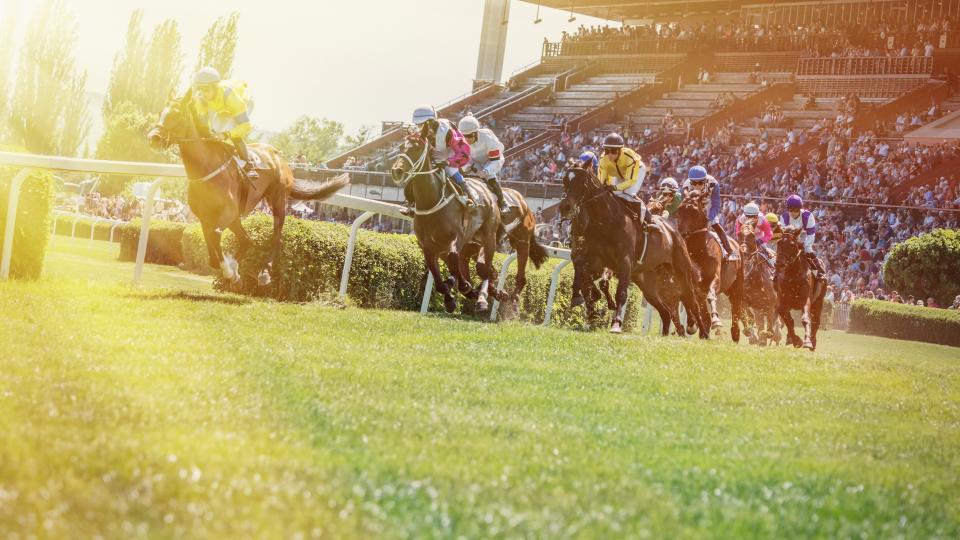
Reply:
x=219, y=45
x=317, y=138
x=7, y=24
x=129, y=66
x=48, y=82
x=76, y=117
x=364, y=134
x=164, y=64
x=926, y=266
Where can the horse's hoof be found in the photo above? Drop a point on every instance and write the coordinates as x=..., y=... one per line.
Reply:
x=482, y=306
x=451, y=283
x=611, y=306
x=264, y=279
x=577, y=300
x=450, y=303
x=471, y=294
x=616, y=328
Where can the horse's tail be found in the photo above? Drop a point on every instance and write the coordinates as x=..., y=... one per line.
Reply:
x=538, y=255
x=314, y=191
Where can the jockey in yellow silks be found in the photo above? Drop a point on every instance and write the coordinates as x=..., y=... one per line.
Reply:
x=225, y=108
x=623, y=170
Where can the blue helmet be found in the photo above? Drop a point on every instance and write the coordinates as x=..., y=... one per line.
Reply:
x=589, y=158
x=794, y=201
x=697, y=174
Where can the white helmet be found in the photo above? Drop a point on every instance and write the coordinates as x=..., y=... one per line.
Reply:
x=207, y=75
x=751, y=209
x=468, y=125
x=669, y=183
x=423, y=113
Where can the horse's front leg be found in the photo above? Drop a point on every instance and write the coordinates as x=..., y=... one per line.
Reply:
x=211, y=237
x=807, y=330
x=623, y=288
x=712, y=303
x=433, y=265
x=276, y=242
x=784, y=313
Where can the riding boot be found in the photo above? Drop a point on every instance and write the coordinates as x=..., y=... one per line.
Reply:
x=494, y=186
x=815, y=265
x=724, y=241
x=244, y=154
x=464, y=196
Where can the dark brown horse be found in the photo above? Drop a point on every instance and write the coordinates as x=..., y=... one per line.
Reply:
x=716, y=275
x=798, y=289
x=220, y=195
x=759, y=295
x=615, y=239
x=445, y=228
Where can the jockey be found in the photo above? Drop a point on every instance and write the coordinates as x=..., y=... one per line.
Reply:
x=486, y=155
x=450, y=149
x=622, y=169
x=670, y=196
x=225, y=108
x=698, y=179
x=775, y=228
x=761, y=229
x=798, y=217
x=588, y=160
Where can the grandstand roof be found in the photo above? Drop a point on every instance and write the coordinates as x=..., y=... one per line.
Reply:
x=632, y=9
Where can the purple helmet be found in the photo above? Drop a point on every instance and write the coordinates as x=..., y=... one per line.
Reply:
x=697, y=174
x=794, y=201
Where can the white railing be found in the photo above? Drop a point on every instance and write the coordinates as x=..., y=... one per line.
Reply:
x=78, y=218
x=369, y=208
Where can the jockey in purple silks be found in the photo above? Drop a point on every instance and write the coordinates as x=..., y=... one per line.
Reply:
x=798, y=217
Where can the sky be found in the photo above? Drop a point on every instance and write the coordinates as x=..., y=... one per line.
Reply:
x=357, y=62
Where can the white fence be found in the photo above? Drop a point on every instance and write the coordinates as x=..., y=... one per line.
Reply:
x=369, y=208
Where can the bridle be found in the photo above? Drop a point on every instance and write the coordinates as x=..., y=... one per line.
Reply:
x=168, y=141
x=782, y=265
x=414, y=171
x=593, y=190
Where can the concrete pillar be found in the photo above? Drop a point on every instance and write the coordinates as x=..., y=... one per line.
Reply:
x=493, y=40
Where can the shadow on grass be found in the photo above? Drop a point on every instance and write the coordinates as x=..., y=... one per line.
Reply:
x=195, y=297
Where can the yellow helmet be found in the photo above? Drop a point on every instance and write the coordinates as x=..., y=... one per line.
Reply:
x=772, y=218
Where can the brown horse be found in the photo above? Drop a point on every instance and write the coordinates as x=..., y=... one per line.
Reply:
x=445, y=228
x=759, y=295
x=614, y=238
x=716, y=274
x=799, y=289
x=220, y=195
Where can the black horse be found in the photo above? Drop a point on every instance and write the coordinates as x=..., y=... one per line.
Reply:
x=798, y=289
x=614, y=237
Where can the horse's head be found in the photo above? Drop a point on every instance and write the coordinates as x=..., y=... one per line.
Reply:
x=690, y=214
x=578, y=184
x=789, y=247
x=413, y=158
x=176, y=123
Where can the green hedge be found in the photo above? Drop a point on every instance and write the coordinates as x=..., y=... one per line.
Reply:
x=163, y=244
x=34, y=215
x=926, y=265
x=899, y=321
x=388, y=270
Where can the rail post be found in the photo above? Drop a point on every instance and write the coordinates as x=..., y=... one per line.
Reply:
x=12, y=202
x=115, y=225
x=554, y=281
x=501, y=281
x=427, y=291
x=145, y=230
x=351, y=246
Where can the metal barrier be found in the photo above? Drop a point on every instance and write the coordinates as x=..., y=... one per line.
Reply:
x=30, y=162
x=57, y=214
x=852, y=65
x=841, y=317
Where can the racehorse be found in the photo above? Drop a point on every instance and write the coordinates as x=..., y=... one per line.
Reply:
x=716, y=274
x=759, y=295
x=445, y=228
x=798, y=289
x=614, y=238
x=219, y=194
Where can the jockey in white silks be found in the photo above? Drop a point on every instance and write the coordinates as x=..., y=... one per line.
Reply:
x=486, y=155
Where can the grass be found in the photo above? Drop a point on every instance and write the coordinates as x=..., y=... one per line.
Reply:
x=164, y=413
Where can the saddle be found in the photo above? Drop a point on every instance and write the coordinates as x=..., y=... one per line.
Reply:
x=633, y=206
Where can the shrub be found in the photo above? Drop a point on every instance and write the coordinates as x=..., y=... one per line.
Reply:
x=899, y=321
x=387, y=271
x=34, y=215
x=163, y=243
x=925, y=266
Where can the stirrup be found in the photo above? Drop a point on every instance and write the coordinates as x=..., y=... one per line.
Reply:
x=466, y=200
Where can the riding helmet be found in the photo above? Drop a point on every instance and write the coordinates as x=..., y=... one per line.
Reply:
x=206, y=75
x=751, y=209
x=697, y=173
x=613, y=140
x=669, y=183
x=468, y=125
x=588, y=158
x=423, y=113
x=794, y=201
x=772, y=218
